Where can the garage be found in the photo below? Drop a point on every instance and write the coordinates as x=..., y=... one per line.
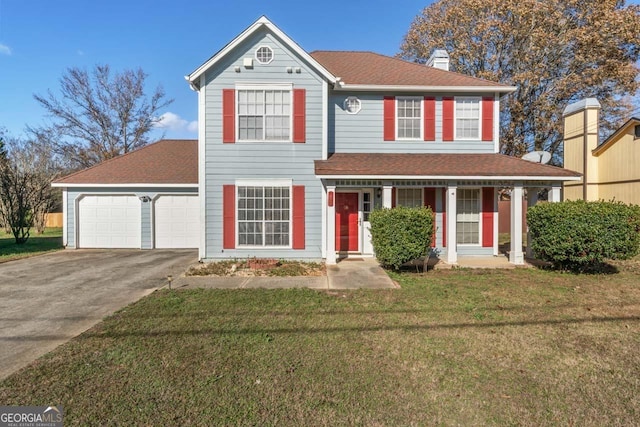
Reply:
x=177, y=221
x=109, y=221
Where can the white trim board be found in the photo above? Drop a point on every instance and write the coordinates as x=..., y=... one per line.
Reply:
x=132, y=185
x=454, y=177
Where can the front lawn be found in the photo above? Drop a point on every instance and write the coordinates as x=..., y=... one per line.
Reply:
x=452, y=347
x=50, y=240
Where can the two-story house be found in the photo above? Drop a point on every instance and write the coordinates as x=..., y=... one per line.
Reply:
x=295, y=149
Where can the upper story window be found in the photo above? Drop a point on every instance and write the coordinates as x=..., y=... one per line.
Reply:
x=352, y=105
x=409, y=197
x=264, y=54
x=264, y=114
x=409, y=113
x=467, y=118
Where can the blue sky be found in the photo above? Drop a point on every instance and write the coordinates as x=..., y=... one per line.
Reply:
x=40, y=39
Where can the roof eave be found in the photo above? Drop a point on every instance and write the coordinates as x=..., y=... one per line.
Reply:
x=419, y=88
x=263, y=21
x=615, y=136
x=120, y=185
x=452, y=177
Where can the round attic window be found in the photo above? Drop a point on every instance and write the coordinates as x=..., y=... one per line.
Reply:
x=352, y=105
x=264, y=54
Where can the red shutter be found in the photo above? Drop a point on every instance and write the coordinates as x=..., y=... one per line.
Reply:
x=447, y=119
x=228, y=115
x=389, y=118
x=430, y=201
x=429, y=118
x=487, y=217
x=393, y=197
x=229, y=216
x=299, y=115
x=487, y=119
x=444, y=217
x=298, y=217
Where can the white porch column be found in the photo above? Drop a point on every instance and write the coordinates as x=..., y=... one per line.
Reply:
x=387, y=195
x=515, y=254
x=65, y=212
x=532, y=199
x=331, y=225
x=554, y=193
x=452, y=250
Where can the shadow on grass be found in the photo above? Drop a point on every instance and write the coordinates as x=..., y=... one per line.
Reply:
x=36, y=244
x=345, y=329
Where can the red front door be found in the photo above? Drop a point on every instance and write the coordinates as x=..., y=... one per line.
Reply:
x=347, y=222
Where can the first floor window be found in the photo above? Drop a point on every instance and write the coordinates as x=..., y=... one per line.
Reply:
x=409, y=197
x=468, y=216
x=264, y=215
x=467, y=118
x=409, y=113
x=264, y=115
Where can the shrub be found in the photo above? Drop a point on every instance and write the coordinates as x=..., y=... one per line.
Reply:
x=401, y=234
x=579, y=236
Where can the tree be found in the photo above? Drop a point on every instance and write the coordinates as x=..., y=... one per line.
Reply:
x=26, y=172
x=554, y=51
x=99, y=115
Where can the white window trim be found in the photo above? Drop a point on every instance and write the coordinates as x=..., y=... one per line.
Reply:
x=410, y=188
x=256, y=54
x=421, y=99
x=265, y=183
x=455, y=117
x=346, y=103
x=471, y=245
x=263, y=86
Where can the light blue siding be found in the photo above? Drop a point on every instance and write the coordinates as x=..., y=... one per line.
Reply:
x=363, y=132
x=262, y=160
x=146, y=219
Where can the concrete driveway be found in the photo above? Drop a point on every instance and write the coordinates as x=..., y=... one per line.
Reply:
x=49, y=299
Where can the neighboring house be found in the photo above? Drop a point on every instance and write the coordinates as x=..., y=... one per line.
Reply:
x=609, y=170
x=295, y=149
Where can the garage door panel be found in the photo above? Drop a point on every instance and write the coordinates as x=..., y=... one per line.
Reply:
x=177, y=221
x=109, y=222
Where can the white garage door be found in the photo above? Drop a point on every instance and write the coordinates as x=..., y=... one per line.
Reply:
x=109, y=222
x=177, y=221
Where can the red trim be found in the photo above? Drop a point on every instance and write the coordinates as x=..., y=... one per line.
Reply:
x=429, y=118
x=330, y=199
x=389, y=118
x=430, y=201
x=299, y=115
x=393, y=197
x=487, y=119
x=444, y=217
x=229, y=216
x=487, y=216
x=298, y=217
x=228, y=115
x=447, y=119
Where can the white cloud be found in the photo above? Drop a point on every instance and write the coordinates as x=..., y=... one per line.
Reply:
x=4, y=49
x=173, y=122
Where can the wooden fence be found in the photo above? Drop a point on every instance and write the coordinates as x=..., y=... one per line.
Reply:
x=54, y=219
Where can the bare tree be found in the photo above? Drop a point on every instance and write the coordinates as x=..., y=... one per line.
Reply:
x=99, y=115
x=26, y=172
x=554, y=51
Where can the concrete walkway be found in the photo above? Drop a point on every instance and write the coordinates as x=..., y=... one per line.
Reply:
x=359, y=273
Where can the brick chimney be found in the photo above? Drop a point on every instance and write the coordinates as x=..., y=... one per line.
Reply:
x=580, y=139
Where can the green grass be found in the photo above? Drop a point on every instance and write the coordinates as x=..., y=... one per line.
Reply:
x=456, y=347
x=50, y=240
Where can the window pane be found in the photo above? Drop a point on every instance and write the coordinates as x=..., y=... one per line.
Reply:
x=468, y=216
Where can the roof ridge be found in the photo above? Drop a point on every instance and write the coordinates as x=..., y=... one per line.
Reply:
x=120, y=156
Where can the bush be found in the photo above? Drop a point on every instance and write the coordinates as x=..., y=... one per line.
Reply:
x=400, y=235
x=580, y=236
